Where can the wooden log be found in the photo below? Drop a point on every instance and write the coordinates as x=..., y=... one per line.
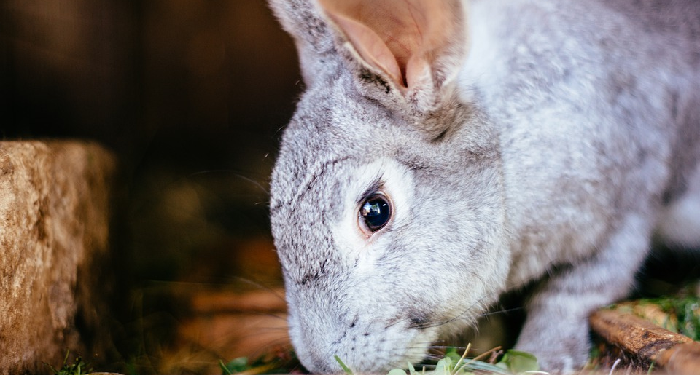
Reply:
x=54, y=204
x=681, y=359
x=647, y=342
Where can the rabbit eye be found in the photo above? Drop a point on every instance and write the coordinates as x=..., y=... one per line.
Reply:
x=375, y=213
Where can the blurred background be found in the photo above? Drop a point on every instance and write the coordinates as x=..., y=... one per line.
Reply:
x=190, y=96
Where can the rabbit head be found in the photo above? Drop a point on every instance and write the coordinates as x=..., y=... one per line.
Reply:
x=387, y=196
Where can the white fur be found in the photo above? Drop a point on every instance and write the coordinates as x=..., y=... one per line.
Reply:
x=540, y=155
x=680, y=221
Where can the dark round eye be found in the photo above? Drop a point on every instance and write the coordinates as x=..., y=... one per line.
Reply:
x=375, y=212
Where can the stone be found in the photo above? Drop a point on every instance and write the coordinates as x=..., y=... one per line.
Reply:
x=54, y=242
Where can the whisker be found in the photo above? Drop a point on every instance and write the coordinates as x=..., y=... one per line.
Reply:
x=261, y=286
x=501, y=311
x=236, y=174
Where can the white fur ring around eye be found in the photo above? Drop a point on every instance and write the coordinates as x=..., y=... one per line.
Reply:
x=375, y=213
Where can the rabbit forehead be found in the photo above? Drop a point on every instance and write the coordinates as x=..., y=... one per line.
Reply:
x=328, y=127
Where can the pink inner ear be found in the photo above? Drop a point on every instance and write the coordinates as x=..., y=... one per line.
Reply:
x=370, y=47
x=397, y=36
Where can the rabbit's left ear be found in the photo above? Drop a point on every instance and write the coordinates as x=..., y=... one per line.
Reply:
x=417, y=45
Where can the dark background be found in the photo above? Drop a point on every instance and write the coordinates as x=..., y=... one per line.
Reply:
x=191, y=97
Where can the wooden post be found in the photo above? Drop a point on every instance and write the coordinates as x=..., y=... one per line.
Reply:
x=54, y=220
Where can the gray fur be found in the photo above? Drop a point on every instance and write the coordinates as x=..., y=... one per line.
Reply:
x=551, y=153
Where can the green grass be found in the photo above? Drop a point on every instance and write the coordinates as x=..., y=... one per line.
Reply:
x=512, y=362
x=452, y=363
x=279, y=362
x=78, y=367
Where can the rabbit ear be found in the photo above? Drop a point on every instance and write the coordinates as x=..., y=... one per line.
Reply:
x=302, y=20
x=313, y=38
x=414, y=44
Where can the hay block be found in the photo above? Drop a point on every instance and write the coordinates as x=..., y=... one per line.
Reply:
x=54, y=219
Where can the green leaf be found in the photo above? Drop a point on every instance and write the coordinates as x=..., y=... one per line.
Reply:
x=443, y=366
x=518, y=362
x=397, y=371
x=234, y=366
x=498, y=368
x=452, y=354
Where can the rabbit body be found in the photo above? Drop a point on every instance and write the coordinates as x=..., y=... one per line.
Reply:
x=514, y=140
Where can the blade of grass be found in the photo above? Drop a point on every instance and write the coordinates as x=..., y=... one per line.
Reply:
x=461, y=360
x=345, y=368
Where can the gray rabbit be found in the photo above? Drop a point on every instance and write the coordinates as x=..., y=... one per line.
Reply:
x=447, y=151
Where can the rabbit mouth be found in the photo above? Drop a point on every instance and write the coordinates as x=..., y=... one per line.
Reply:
x=370, y=352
